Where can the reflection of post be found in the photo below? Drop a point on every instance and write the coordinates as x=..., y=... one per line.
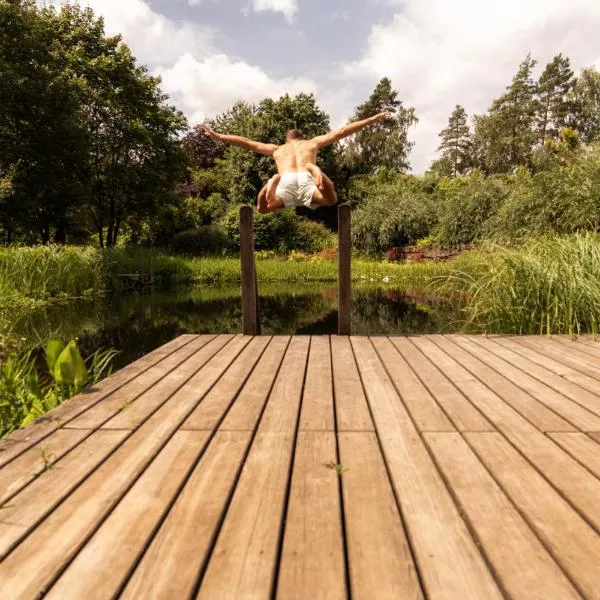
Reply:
x=250, y=320
x=344, y=270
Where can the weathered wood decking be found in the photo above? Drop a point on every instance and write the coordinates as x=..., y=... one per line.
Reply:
x=239, y=467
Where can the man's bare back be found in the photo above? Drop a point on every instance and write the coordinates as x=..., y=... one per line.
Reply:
x=298, y=181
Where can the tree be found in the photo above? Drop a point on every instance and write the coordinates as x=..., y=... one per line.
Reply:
x=40, y=134
x=504, y=137
x=244, y=172
x=585, y=105
x=553, y=89
x=456, y=146
x=384, y=144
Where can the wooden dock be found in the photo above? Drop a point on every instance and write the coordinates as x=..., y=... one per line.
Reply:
x=239, y=467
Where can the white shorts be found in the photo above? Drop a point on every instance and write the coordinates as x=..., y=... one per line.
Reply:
x=297, y=189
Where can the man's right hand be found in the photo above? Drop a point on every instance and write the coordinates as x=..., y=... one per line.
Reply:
x=211, y=133
x=384, y=115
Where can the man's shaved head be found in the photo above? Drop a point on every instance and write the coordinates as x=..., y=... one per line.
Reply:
x=294, y=134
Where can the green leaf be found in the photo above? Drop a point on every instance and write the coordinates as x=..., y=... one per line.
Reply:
x=54, y=349
x=70, y=369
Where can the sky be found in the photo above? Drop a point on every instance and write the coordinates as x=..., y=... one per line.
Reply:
x=437, y=53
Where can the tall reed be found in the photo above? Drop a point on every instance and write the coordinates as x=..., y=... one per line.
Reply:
x=550, y=285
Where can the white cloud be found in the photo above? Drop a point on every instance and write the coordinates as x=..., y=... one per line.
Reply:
x=204, y=88
x=441, y=53
x=154, y=39
x=287, y=7
x=201, y=82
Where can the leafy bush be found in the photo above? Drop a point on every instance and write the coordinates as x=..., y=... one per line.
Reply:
x=465, y=204
x=205, y=240
x=282, y=231
x=393, y=214
x=26, y=393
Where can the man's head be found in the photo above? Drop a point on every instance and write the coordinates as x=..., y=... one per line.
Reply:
x=293, y=134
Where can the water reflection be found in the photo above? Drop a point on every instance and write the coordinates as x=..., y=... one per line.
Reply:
x=136, y=324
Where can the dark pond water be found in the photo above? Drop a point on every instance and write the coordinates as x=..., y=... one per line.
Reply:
x=138, y=323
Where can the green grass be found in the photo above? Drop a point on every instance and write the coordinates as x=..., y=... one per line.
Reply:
x=550, y=285
x=37, y=275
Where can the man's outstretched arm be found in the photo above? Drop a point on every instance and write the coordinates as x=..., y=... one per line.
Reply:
x=240, y=141
x=347, y=130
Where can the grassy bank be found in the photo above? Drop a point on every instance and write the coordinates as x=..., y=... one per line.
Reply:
x=550, y=285
x=41, y=274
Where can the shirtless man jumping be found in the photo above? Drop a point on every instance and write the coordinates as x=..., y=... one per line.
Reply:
x=299, y=182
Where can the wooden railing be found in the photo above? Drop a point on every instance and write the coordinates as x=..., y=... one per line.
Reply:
x=250, y=303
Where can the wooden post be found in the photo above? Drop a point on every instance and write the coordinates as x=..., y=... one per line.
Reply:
x=344, y=270
x=250, y=318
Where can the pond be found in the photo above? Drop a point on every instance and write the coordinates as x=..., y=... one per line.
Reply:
x=136, y=324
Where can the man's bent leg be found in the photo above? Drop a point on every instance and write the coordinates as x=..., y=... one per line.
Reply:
x=263, y=205
x=316, y=173
x=327, y=195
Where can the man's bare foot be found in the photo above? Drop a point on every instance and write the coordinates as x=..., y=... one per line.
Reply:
x=272, y=189
x=262, y=205
x=317, y=175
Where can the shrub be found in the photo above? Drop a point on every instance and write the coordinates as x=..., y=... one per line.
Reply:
x=465, y=204
x=281, y=231
x=398, y=214
x=205, y=240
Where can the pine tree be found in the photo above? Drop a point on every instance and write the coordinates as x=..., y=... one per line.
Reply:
x=584, y=102
x=384, y=144
x=457, y=145
x=507, y=134
x=553, y=89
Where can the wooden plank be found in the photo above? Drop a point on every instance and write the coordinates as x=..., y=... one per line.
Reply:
x=580, y=447
x=183, y=542
x=317, y=400
x=380, y=561
x=447, y=557
x=568, y=476
x=572, y=542
x=243, y=561
x=421, y=405
x=582, y=344
x=535, y=401
x=19, y=441
x=312, y=559
x=587, y=343
x=249, y=403
x=250, y=322
x=344, y=270
x=462, y=413
x=280, y=414
x=156, y=383
x=102, y=565
x=209, y=413
x=242, y=564
x=38, y=459
x=489, y=403
x=58, y=538
x=352, y=411
x=25, y=510
x=563, y=380
x=521, y=562
x=213, y=360
x=569, y=361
